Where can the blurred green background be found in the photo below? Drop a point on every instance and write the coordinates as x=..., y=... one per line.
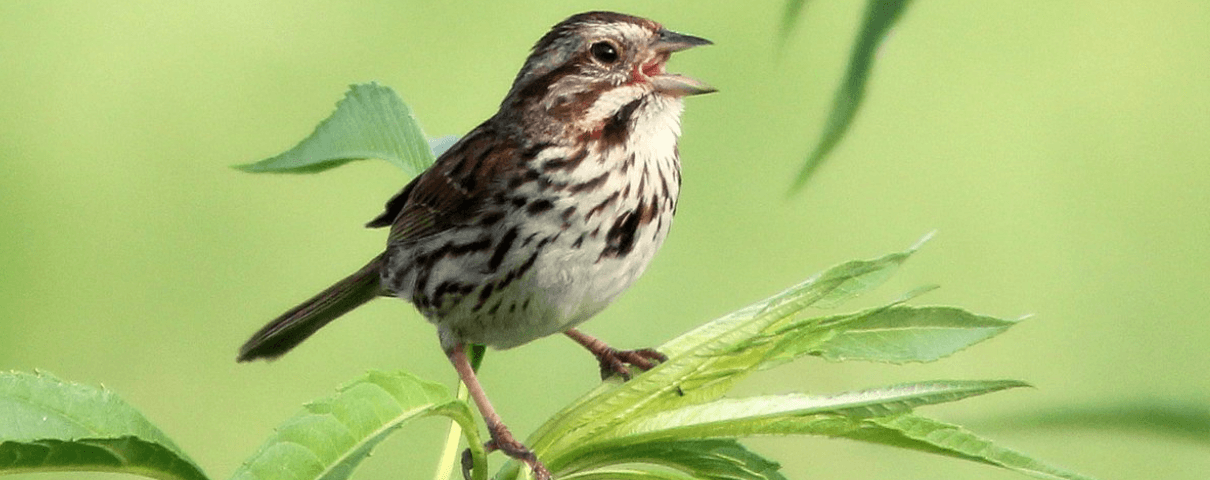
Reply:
x=1058, y=148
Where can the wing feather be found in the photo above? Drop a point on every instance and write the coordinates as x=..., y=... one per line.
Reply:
x=454, y=191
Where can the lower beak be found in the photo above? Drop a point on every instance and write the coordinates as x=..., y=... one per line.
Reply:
x=678, y=85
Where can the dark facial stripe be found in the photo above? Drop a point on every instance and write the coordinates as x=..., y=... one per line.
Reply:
x=616, y=129
x=568, y=107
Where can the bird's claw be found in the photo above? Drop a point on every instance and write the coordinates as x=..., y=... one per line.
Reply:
x=506, y=444
x=613, y=361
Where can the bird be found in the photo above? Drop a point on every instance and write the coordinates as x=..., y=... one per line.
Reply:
x=538, y=218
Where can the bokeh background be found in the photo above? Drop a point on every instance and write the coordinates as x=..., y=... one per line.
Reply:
x=1059, y=149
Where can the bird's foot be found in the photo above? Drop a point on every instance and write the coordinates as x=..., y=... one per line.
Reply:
x=504, y=441
x=614, y=361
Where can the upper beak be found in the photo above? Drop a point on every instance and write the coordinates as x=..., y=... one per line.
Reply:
x=672, y=84
x=671, y=41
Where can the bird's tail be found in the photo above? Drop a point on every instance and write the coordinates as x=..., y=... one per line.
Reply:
x=291, y=328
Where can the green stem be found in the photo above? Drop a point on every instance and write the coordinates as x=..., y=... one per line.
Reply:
x=449, y=453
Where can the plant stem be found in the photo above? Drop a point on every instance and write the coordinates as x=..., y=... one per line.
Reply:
x=449, y=454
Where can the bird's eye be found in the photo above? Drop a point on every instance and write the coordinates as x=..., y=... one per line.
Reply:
x=605, y=52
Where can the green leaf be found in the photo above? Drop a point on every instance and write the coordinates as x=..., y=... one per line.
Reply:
x=789, y=18
x=635, y=473
x=894, y=334
x=880, y=16
x=370, y=122
x=678, y=400
x=840, y=283
x=49, y=425
x=332, y=436
x=706, y=361
x=129, y=455
x=1182, y=421
x=923, y=434
x=709, y=459
x=768, y=415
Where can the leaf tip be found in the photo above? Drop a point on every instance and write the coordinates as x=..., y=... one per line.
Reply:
x=246, y=167
x=923, y=240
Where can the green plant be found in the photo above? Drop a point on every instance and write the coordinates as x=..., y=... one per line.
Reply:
x=672, y=422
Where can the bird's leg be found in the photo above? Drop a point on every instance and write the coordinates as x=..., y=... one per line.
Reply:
x=613, y=361
x=502, y=439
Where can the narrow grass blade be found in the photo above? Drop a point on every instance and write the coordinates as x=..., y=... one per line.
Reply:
x=880, y=16
x=1166, y=417
x=789, y=18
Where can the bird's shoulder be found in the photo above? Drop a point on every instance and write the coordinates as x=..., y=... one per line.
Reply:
x=455, y=189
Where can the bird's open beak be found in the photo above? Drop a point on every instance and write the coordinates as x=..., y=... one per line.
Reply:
x=673, y=84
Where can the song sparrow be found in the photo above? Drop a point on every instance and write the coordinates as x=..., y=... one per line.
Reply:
x=538, y=218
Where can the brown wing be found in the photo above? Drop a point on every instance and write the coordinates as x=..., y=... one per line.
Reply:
x=452, y=192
